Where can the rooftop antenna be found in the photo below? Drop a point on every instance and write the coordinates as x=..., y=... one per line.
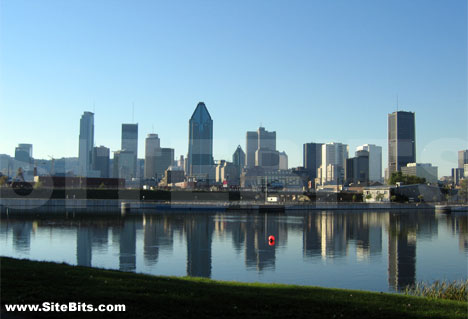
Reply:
x=133, y=111
x=94, y=107
x=397, y=103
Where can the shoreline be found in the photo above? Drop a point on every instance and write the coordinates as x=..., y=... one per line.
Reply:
x=148, y=296
x=113, y=206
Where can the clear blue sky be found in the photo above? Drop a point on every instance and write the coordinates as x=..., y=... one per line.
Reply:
x=310, y=70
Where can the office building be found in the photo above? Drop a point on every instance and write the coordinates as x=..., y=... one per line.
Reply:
x=375, y=161
x=86, y=143
x=312, y=158
x=238, y=159
x=101, y=161
x=130, y=143
x=462, y=158
x=426, y=171
x=200, y=151
x=357, y=168
x=251, y=146
x=457, y=175
x=23, y=153
x=401, y=140
x=332, y=169
x=152, y=149
x=124, y=164
x=261, y=149
x=283, y=160
x=164, y=159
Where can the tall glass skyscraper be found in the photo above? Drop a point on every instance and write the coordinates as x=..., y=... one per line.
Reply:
x=130, y=143
x=85, y=151
x=401, y=140
x=200, y=150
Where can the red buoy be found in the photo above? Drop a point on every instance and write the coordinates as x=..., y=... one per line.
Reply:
x=271, y=240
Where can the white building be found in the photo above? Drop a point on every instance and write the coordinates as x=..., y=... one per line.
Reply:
x=375, y=161
x=332, y=170
x=283, y=160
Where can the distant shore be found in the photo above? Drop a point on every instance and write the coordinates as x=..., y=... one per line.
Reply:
x=146, y=296
x=115, y=206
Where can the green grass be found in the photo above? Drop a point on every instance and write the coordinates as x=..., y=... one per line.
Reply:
x=452, y=290
x=145, y=296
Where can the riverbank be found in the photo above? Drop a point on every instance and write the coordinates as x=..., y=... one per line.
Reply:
x=31, y=282
x=116, y=206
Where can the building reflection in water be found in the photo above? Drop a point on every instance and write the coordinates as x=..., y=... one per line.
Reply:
x=90, y=236
x=22, y=236
x=158, y=236
x=127, y=256
x=199, y=231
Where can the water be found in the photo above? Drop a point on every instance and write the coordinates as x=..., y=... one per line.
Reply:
x=379, y=251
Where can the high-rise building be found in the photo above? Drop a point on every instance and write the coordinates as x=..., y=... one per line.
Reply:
x=164, y=159
x=375, y=161
x=251, y=146
x=312, y=158
x=152, y=149
x=101, y=161
x=238, y=159
x=124, y=163
x=200, y=162
x=261, y=149
x=130, y=143
x=334, y=157
x=86, y=143
x=462, y=158
x=283, y=160
x=357, y=168
x=23, y=153
x=401, y=140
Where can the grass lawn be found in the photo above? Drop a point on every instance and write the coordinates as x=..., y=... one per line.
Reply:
x=145, y=296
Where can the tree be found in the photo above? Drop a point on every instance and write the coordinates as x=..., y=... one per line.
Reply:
x=399, y=177
x=463, y=192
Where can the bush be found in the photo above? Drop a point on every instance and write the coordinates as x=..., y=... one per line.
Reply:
x=455, y=290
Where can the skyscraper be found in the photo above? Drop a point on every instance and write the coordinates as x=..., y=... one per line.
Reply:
x=130, y=143
x=462, y=158
x=283, y=160
x=251, y=145
x=334, y=157
x=375, y=161
x=86, y=143
x=152, y=148
x=261, y=149
x=23, y=153
x=238, y=159
x=164, y=159
x=200, y=150
x=312, y=158
x=357, y=168
x=101, y=161
x=401, y=140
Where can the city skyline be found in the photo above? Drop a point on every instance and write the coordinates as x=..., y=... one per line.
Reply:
x=333, y=78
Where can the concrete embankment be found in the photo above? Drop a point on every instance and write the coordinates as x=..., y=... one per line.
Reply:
x=25, y=206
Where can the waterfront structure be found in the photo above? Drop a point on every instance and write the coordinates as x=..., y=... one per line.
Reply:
x=332, y=169
x=375, y=161
x=462, y=158
x=258, y=177
x=312, y=159
x=401, y=140
x=130, y=144
x=426, y=171
x=124, y=164
x=152, y=149
x=86, y=143
x=101, y=161
x=283, y=160
x=357, y=168
x=200, y=149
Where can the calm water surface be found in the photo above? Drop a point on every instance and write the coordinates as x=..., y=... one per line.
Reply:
x=381, y=251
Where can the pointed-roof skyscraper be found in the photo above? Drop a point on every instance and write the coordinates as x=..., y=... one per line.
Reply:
x=200, y=150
